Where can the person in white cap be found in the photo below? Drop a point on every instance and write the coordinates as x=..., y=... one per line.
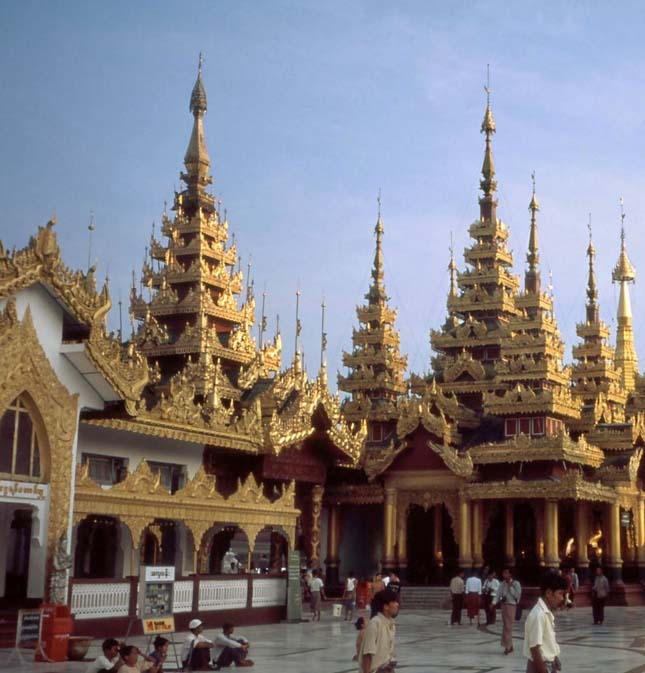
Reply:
x=196, y=650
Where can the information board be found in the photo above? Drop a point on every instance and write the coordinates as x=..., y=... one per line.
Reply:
x=294, y=589
x=156, y=590
x=29, y=634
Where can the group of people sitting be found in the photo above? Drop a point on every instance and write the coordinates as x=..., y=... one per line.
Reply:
x=129, y=658
x=198, y=653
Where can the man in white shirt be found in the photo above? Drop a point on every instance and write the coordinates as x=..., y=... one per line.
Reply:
x=196, y=650
x=349, y=595
x=489, y=592
x=377, y=649
x=229, y=650
x=109, y=660
x=540, y=645
x=473, y=597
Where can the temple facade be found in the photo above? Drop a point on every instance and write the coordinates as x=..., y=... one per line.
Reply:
x=187, y=441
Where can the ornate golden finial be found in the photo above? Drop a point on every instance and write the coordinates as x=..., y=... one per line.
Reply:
x=376, y=293
x=248, y=278
x=296, y=354
x=262, y=327
x=623, y=271
x=592, y=290
x=532, y=276
x=452, y=268
x=488, y=184
x=323, y=334
x=199, y=65
x=90, y=228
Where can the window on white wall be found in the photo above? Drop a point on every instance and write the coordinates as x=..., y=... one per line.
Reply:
x=19, y=450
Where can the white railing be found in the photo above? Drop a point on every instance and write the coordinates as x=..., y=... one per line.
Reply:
x=183, y=596
x=222, y=595
x=269, y=592
x=96, y=600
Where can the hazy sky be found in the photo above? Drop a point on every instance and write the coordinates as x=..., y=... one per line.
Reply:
x=314, y=106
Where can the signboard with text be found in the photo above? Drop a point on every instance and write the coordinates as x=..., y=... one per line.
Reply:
x=294, y=590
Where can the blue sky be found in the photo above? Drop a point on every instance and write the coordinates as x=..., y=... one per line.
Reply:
x=312, y=108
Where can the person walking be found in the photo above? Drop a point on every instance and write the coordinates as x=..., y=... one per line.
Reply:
x=377, y=649
x=457, y=588
x=473, y=598
x=489, y=592
x=508, y=597
x=349, y=595
x=599, y=593
x=541, y=648
x=317, y=594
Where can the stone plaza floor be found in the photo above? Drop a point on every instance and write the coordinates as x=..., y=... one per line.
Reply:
x=427, y=644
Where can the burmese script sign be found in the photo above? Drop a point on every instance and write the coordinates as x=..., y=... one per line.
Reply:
x=22, y=489
x=29, y=634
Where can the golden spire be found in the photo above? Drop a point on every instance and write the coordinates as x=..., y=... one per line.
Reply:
x=452, y=268
x=624, y=273
x=376, y=293
x=593, y=315
x=488, y=184
x=532, y=275
x=323, y=342
x=196, y=160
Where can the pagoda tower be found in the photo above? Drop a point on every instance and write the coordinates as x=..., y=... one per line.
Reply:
x=469, y=343
x=624, y=273
x=192, y=328
x=596, y=381
x=538, y=400
x=376, y=367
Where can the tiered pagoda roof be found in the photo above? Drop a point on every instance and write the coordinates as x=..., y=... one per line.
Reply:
x=596, y=380
x=194, y=328
x=479, y=312
x=376, y=367
x=531, y=353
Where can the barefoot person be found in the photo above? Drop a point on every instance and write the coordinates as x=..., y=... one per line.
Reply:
x=196, y=650
x=109, y=661
x=540, y=645
x=229, y=649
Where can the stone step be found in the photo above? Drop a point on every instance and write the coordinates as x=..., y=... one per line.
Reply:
x=423, y=597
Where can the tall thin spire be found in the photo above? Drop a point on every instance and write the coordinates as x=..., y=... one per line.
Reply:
x=624, y=273
x=488, y=184
x=532, y=275
x=593, y=313
x=323, y=335
x=376, y=293
x=196, y=159
x=296, y=354
x=452, y=268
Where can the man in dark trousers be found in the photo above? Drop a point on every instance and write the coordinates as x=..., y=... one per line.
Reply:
x=599, y=593
x=457, y=588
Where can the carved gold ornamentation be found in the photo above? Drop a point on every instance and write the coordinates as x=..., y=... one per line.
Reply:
x=140, y=499
x=27, y=372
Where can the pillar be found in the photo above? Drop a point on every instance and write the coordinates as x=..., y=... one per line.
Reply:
x=314, y=530
x=465, y=555
x=640, y=535
x=389, y=524
x=402, y=544
x=614, y=560
x=538, y=510
x=438, y=541
x=332, y=561
x=552, y=546
x=477, y=534
x=582, y=537
x=509, y=528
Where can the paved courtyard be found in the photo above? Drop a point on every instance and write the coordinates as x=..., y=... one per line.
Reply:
x=427, y=644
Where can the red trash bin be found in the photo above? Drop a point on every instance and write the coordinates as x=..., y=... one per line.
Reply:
x=58, y=624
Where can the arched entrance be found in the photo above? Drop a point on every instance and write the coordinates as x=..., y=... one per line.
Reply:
x=431, y=547
x=97, y=545
x=270, y=551
x=228, y=551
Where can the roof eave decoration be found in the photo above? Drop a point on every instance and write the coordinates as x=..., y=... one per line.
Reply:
x=572, y=485
x=40, y=262
x=522, y=399
x=529, y=449
x=292, y=423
